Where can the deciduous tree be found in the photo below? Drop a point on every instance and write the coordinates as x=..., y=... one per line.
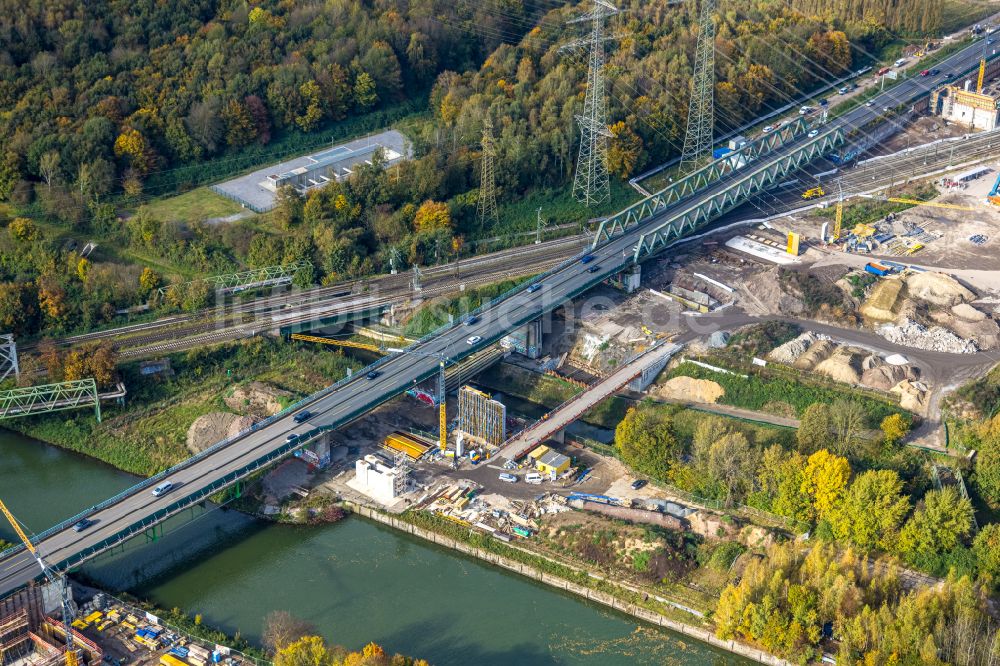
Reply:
x=824, y=480
x=871, y=511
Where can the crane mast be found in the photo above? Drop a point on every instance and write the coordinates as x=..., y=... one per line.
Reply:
x=53, y=576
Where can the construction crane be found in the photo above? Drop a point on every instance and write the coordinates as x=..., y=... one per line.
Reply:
x=982, y=68
x=838, y=220
x=338, y=343
x=67, y=613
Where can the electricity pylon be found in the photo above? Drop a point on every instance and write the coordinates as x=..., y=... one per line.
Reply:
x=701, y=109
x=590, y=184
x=487, y=207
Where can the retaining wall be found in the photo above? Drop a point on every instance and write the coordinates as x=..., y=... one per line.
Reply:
x=604, y=598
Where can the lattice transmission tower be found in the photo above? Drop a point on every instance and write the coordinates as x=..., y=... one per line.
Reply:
x=701, y=109
x=590, y=184
x=8, y=357
x=487, y=207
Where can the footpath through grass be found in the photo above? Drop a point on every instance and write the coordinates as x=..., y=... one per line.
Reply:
x=765, y=391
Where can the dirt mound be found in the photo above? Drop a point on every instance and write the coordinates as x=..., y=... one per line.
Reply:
x=985, y=333
x=937, y=289
x=257, y=399
x=690, y=390
x=215, y=427
x=882, y=302
x=884, y=377
x=967, y=312
x=789, y=352
x=763, y=295
x=817, y=352
x=839, y=367
x=911, y=396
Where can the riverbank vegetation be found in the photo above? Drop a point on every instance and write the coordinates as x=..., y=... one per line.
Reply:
x=799, y=602
x=149, y=433
x=883, y=503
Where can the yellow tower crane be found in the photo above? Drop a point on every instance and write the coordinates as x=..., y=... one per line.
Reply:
x=67, y=618
x=982, y=67
x=838, y=220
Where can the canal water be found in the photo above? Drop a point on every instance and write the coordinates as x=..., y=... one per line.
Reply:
x=355, y=581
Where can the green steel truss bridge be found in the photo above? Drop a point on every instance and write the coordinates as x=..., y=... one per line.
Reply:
x=630, y=237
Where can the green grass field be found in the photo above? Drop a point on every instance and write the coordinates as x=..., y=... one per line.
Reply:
x=198, y=204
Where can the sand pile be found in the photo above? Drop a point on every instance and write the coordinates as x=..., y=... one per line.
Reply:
x=912, y=395
x=883, y=377
x=967, y=312
x=937, y=289
x=817, y=353
x=839, y=367
x=689, y=389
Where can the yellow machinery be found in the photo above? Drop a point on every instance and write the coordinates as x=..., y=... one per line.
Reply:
x=338, y=343
x=982, y=68
x=838, y=220
x=813, y=193
x=932, y=204
x=71, y=656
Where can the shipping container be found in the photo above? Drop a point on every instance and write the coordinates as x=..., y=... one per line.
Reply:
x=877, y=269
x=170, y=660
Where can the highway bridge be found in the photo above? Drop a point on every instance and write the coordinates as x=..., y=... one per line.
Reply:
x=628, y=239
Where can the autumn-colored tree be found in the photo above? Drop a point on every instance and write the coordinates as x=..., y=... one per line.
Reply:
x=432, y=216
x=16, y=309
x=101, y=362
x=625, y=155
x=149, y=281
x=894, y=428
x=365, y=96
x=48, y=167
x=23, y=229
x=74, y=365
x=240, y=126
x=132, y=145
x=311, y=96
x=83, y=269
x=824, y=479
x=987, y=549
x=51, y=359
x=988, y=459
x=52, y=301
x=306, y=651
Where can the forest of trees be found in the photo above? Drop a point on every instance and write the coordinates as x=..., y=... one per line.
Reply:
x=95, y=100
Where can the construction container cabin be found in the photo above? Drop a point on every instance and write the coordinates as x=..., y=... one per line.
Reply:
x=548, y=461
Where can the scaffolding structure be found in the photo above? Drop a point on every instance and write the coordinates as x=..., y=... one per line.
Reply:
x=480, y=417
x=15, y=636
x=401, y=465
x=8, y=357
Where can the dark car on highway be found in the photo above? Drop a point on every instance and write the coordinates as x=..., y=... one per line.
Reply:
x=83, y=524
x=302, y=416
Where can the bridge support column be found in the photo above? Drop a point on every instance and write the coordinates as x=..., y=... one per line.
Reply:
x=154, y=533
x=526, y=340
x=630, y=278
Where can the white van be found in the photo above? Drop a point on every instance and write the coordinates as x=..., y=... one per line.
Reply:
x=533, y=477
x=899, y=62
x=163, y=488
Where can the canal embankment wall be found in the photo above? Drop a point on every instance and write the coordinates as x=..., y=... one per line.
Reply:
x=598, y=596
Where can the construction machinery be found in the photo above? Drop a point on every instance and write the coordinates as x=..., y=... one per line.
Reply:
x=932, y=204
x=72, y=659
x=337, y=343
x=982, y=68
x=993, y=197
x=838, y=220
x=813, y=193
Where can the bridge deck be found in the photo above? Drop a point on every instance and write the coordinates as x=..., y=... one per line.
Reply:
x=571, y=410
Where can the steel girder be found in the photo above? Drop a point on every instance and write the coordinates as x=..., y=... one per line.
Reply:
x=8, y=357
x=49, y=398
x=698, y=180
x=752, y=182
x=258, y=277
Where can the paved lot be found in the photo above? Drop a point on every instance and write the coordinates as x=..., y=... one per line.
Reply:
x=248, y=191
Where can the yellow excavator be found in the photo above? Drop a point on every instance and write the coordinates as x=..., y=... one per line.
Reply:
x=72, y=658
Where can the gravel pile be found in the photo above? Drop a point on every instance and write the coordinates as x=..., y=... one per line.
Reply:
x=936, y=338
x=791, y=350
